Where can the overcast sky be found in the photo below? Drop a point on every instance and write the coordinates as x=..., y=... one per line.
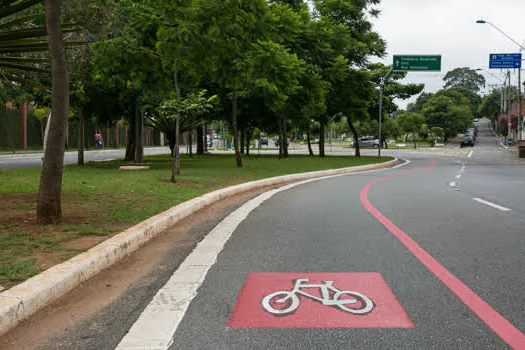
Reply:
x=448, y=27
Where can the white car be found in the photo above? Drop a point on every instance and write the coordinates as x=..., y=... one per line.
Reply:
x=367, y=141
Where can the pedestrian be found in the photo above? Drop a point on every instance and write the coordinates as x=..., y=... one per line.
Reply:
x=98, y=139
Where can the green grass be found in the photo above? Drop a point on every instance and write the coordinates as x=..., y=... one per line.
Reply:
x=100, y=200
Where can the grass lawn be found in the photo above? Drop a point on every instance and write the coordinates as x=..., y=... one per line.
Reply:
x=100, y=201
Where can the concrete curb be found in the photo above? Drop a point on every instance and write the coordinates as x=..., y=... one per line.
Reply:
x=23, y=300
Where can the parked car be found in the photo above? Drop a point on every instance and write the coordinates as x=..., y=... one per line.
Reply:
x=367, y=141
x=467, y=140
x=264, y=141
x=476, y=120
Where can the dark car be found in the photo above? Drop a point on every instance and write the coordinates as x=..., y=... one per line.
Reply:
x=264, y=141
x=467, y=140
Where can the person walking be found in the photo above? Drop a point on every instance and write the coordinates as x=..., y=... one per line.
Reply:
x=98, y=139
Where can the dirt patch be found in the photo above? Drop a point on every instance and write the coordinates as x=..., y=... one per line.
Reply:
x=83, y=242
x=89, y=298
x=45, y=260
x=41, y=247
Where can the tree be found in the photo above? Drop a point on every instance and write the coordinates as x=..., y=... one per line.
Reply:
x=230, y=37
x=411, y=122
x=490, y=106
x=392, y=90
x=443, y=112
x=465, y=78
x=49, y=207
x=127, y=70
x=187, y=111
x=503, y=121
x=462, y=96
x=420, y=102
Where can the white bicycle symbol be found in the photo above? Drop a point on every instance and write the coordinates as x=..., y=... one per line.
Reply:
x=291, y=298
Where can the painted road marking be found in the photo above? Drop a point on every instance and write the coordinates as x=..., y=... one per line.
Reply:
x=158, y=323
x=496, y=206
x=470, y=154
x=499, y=324
x=317, y=300
x=273, y=302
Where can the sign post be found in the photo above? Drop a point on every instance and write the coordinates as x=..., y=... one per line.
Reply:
x=405, y=63
x=509, y=61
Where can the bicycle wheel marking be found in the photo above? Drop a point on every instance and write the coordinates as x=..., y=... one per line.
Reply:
x=317, y=300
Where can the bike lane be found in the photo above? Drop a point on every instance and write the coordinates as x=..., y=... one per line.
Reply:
x=322, y=227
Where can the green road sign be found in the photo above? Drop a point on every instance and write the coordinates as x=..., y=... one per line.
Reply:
x=417, y=63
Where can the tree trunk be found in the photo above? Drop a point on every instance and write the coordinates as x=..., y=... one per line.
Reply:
x=139, y=133
x=190, y=143
x=23, y=126
x=285, y=139
x=243, y=137
x=238, y=158
x=248, y=141
x=200, y=141
x=107, y=135
x=309, y=141
x=280, y=132
x=130, y=144
x=385, y=143
x=80, y=159
x=176, y=163
x=415, y=140
x=49, y=207
x=356, y=137
x=116, y=134
x=321, y=136
x=205, y=138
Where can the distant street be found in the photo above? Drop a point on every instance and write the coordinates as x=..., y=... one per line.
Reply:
x=34, y=160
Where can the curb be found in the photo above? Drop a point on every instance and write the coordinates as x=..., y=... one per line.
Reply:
x=23, y=300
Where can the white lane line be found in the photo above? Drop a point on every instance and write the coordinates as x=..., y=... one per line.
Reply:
x=499, y=207
x=458, y=176
x=470, y=154
x=452, y=184
x=157, y=324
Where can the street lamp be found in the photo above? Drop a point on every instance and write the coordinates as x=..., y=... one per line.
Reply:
x=381, y=84
x=520, y=122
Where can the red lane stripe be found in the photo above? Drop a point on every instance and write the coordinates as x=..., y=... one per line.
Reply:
x=499, y=324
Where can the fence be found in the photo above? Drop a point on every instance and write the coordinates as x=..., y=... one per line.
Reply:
x=114, y=136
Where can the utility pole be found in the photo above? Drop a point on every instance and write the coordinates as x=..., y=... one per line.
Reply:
x=381, y=84
x=520, y=125
x=507, y=103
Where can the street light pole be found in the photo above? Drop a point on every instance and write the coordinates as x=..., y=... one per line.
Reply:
x=522, y=48
x=381, y=84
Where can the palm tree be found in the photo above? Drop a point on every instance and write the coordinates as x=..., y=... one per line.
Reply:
x=22, y=42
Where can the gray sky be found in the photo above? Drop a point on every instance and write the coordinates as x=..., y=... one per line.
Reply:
x=448, y=27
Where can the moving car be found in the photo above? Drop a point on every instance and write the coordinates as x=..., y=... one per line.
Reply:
x=467, y=140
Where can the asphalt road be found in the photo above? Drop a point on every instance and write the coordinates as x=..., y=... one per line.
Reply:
x=34, y=160
x=465, y=216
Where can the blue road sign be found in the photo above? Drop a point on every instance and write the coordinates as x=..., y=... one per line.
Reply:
x=505, y=60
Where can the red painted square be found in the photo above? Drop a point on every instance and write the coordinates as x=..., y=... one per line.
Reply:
x=255, y=309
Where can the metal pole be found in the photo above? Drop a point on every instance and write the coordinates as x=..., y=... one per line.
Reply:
x=383, y=80
x=380, y=117
x=520, y=126
x=506, y=109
